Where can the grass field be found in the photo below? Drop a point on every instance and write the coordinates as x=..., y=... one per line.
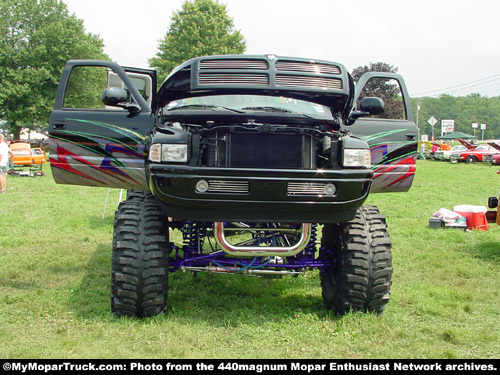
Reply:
x=55, y=260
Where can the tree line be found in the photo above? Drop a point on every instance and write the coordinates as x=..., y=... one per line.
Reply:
x=465, y=110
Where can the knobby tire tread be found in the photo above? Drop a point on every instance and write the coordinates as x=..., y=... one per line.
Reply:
x=139, y=283
x=360, y=251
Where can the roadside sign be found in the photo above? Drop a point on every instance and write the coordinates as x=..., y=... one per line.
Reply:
x=447, y=126
x=432, y=121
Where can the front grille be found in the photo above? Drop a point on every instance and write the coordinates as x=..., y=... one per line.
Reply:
x=258, y=150
x=234, y=64
x=233, y=79
x=311, y=82
x=254, y=150
x=284, y=74
x=309, y=67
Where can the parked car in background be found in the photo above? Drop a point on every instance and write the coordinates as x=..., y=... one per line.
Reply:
x=494, y=158
x=21, y=153
x=469, y=144
x=25, y=156
x=473, y=156
x=38, y=156
x=446, y=154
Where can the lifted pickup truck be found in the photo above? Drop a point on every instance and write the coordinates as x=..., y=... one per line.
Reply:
x=248, y=157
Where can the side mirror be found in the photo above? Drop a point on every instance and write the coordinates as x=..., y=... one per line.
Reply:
x=373, y=106
x=118, y=97
x=113, y=96
x=368, y=106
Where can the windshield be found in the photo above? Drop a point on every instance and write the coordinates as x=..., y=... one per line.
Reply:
x=245, y=103
x=484, y=148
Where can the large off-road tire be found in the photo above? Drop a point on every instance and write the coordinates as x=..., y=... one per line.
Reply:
x=139, y=282
x=359, y=250
x=139, y=194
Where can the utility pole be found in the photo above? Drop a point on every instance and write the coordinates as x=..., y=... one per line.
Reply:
x=418, y=129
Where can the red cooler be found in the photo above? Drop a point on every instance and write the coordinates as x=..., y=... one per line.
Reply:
x=475, y=216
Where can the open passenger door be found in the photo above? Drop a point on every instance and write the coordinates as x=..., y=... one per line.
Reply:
x=95, y=144
x=391, y=135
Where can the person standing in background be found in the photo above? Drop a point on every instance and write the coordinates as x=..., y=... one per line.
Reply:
x=422, y=150
x=4, y=164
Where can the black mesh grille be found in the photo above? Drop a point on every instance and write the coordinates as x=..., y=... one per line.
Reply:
x=265, y=150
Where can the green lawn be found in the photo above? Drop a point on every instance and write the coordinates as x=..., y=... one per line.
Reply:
x=55, y=256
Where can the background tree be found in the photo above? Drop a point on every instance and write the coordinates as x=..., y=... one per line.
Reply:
x=37, y=37
x=200, y=28
x=373, y=67
x=386, y=89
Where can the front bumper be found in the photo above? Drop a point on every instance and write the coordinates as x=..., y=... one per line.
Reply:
x=488, y=159
x=259, y=195
x=456, y=158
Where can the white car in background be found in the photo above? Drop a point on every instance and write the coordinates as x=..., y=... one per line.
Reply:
x=445, y=155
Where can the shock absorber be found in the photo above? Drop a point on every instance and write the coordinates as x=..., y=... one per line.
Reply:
x=310, y=249
x=193, y=236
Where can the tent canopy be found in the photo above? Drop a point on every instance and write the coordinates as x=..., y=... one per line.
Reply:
x=456, y=135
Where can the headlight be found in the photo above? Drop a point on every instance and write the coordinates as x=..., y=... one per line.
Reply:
x=357, y=157
x=175, y=153
x=168, y=153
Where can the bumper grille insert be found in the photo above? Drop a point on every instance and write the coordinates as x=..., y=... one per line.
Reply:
x=228, y=187
x=309, y=189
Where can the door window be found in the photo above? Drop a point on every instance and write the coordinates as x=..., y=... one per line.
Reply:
x=389, y=90
x=87, y=83
x=85, y=87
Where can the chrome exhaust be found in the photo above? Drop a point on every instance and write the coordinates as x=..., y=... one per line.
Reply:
x=265, y=250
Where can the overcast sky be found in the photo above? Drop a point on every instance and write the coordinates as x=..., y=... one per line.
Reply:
x=438, y=46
